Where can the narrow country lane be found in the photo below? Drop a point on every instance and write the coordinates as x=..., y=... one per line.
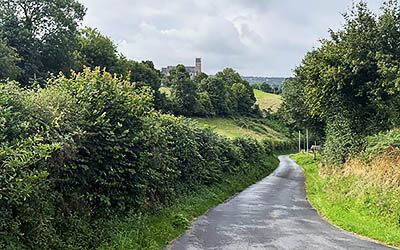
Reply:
x=272, y=214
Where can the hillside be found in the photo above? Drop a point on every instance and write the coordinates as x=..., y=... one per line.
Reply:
x=267, y=100
x=238, y=127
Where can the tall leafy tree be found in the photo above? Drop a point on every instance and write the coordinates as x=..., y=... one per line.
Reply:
x=96, y=50
x=240, y=95
x=42, y=32
x=217, y=93
x=8, y=62
x=184, y=91
x=354, y=73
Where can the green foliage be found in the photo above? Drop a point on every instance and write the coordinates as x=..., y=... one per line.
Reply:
x=30, y=123
x=96, y=50
x=217, y=93
x=244, y=98
x=341, y=140
x=8, y=62
x=294, y=111
x=184, y=92
x=89, y=146
x=267, y=88
x=206, y=108
x=376, y=144
x=352, y=73
x=240, y=95
x=226, y=94
x=43, y=33
x=105, y=165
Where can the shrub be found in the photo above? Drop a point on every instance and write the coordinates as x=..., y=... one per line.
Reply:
x=30, y=130
x=341, y=141
x=376, y=144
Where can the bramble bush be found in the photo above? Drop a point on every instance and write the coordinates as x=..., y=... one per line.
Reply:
x=91, y=145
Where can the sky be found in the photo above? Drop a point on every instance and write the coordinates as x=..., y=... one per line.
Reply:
x=255, y=37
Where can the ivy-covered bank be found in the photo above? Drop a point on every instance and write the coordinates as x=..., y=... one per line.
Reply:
x=90, y=147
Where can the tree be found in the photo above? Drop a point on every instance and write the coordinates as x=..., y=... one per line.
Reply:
x=8, y=62
x=143, y=74
x=243, y=98
x=43, y=33
x=246, y=99
x=206, y=107
x=264, y=87
x=356, y=74
x=217, y=93
x=294, y=112
x=198, y=78
x=184, y=91
x=96, y=50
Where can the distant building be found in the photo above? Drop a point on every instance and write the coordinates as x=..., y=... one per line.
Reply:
x=191, y=70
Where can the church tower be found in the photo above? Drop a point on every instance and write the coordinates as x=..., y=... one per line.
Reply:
x=198, y=66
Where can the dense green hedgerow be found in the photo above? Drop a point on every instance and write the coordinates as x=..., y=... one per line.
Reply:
x=89, y=146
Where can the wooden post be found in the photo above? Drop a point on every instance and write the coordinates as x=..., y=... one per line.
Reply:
x=299, y=141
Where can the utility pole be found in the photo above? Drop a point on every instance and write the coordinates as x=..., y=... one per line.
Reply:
x=299, y=141
x=307, y=139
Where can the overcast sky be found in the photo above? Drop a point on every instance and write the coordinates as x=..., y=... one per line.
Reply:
x=255, y=37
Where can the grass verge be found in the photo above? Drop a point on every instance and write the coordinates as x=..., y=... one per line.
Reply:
x=156, y=230
x=344, y=203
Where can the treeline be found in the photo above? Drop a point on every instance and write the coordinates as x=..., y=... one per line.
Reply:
x=224, y=94
x=41, y=38
x=267, y=88
x=348, y=88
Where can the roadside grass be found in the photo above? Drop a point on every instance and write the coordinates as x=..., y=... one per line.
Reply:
x=240, y=127
x=268, y=101
x=346, y=202
x=156, y=230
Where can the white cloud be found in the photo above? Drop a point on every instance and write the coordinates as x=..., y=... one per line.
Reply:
x=256, y=37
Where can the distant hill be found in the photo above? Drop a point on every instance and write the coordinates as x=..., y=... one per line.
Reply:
x=276, y=81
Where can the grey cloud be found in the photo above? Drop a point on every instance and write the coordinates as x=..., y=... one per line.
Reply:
x=256, y=37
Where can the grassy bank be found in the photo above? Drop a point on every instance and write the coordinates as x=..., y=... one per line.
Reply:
x=346, y=200
x=156, y=230
x=239, y=127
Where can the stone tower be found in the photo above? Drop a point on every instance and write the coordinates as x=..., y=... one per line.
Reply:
x=198, y=66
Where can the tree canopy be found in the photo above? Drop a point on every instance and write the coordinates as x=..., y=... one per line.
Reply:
x=354, y=73
x=43, y=33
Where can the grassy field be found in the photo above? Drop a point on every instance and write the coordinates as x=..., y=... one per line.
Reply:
x=233, y=128
x=349, y=204
x=267, y=100
x=155, y=231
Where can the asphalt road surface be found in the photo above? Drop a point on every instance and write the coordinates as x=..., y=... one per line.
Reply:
x=272, y=214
